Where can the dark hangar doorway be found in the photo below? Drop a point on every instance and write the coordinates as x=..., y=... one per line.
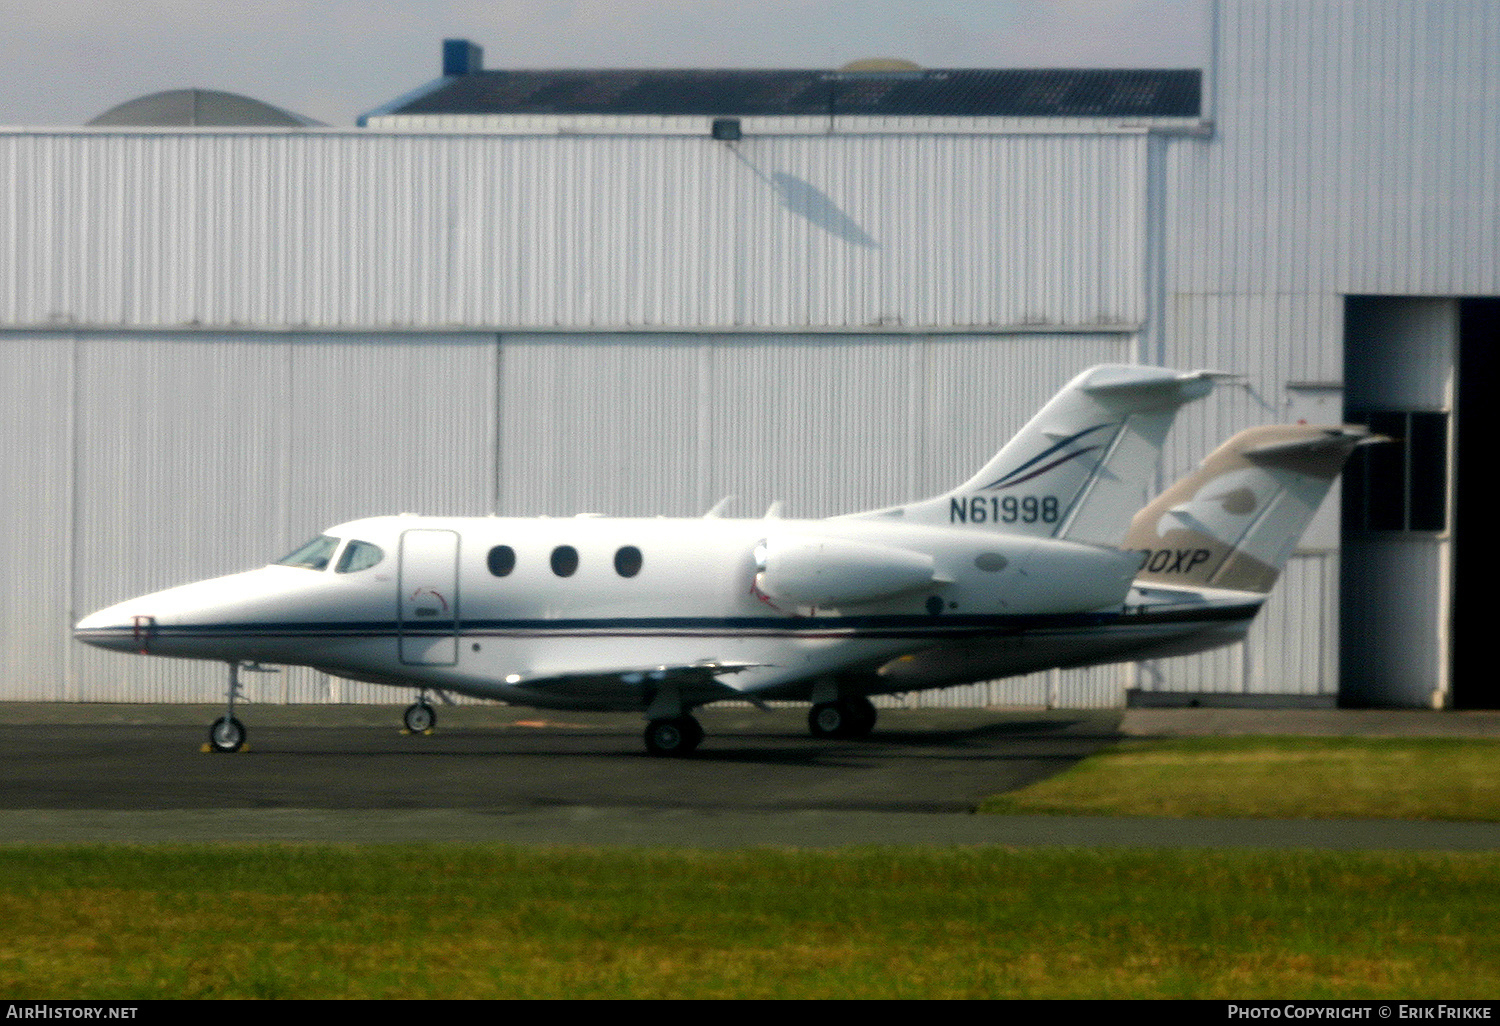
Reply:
x=1476, y=557
x=1416, y=572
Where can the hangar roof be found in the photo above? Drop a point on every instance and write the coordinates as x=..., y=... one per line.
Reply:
x=465, y=88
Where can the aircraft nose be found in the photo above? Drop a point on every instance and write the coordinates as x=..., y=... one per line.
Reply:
x=116, y=629
x=154, y=623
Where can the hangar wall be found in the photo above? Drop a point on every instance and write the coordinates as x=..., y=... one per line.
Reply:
x=364, y=231
x=147, y=460
x=173, y=456
x=225, y=341
x=217, y=342
x=1353, y=154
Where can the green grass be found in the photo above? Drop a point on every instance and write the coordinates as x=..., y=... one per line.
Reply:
x=330, y=921
x=1276, y=777
x=205, y=921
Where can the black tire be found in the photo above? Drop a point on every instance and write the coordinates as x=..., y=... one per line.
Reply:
x=828, y=719
x=420, y=718
x=677, y=736
x=848, y=717
x=227, y=734
x=862, y=716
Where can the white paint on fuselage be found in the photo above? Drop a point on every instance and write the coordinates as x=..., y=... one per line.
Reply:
x=1154, y=623
x=692, y=601
x=968, y=585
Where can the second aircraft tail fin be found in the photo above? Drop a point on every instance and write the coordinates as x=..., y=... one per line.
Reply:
x=1235, y=521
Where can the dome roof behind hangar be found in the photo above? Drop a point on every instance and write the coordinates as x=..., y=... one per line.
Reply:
x=179, y=108
x=881, y=64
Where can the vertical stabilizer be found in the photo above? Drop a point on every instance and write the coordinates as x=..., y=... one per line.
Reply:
x=1081, y=467
x=1235, y=521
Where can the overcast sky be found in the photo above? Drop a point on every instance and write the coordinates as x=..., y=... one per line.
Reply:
x=66, y=61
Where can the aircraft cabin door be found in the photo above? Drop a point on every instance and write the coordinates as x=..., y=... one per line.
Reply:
x=429, y=597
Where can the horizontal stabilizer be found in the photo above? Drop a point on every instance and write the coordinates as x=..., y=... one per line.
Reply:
x=1235, y=521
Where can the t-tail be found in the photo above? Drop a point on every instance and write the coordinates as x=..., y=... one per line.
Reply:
x=1081, y=467
x=1235, y=521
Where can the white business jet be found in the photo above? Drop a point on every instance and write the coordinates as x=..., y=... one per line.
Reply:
x=1025, y=566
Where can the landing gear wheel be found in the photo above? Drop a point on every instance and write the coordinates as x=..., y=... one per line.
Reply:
x=849, y=717
x=227, y=734
x=677, y=736
x=419, y=718
x=828, y=719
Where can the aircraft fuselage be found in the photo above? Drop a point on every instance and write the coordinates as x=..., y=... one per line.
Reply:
x=577, y=612
x=1044, y=558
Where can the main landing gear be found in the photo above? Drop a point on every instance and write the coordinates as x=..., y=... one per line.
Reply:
x=676, y=735
x=843, y=718
x=847, y=717
x=420, y=717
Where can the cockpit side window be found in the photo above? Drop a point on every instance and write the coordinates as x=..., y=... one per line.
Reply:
x=314, y=555
x=359, y=555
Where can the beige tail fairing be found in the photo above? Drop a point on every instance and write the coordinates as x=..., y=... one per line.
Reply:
x=1235, y=521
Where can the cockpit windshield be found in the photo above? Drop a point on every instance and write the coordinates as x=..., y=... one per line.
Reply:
x=314, y=555
x=359, y=555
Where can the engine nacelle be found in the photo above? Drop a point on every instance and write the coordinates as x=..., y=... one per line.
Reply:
x=807, y=570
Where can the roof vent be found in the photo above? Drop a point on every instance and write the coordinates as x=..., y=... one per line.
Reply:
x=461, y=57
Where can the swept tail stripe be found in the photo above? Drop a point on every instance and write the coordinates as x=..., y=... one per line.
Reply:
x=1038, y=473
x=1005, y=479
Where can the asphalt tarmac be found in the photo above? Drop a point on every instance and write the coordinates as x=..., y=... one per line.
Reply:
x=138, y=774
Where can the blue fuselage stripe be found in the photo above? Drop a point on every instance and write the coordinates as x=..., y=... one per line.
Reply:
x=810, y=626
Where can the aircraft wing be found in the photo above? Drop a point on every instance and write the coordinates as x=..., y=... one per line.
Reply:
x=632, y=687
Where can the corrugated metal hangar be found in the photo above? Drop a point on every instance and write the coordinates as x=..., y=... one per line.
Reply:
x=636, y=292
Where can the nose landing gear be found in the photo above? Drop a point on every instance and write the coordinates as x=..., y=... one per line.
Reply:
x=227, y=734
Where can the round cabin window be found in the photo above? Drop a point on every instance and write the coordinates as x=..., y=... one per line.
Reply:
x=564, y=560
x=628, y=561
x=502, y=560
